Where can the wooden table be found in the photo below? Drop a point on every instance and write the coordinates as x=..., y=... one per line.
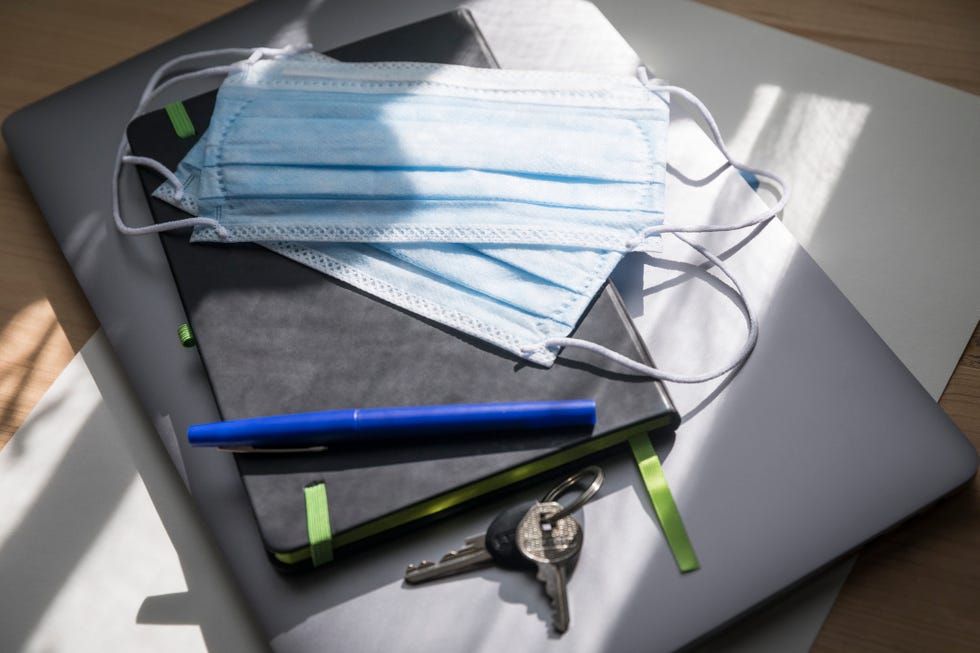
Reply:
x=917, y=588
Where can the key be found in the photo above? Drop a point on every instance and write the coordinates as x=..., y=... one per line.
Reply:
x=497, y=546
x=551, y=547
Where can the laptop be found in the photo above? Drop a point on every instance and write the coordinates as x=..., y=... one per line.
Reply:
x=777, y=471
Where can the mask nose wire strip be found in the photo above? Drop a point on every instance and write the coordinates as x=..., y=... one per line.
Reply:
x=737, y=359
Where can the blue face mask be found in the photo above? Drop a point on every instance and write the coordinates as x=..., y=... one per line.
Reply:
x=406, y=152
x=496, y=202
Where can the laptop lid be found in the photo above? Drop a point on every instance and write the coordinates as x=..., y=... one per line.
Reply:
x=802, y=456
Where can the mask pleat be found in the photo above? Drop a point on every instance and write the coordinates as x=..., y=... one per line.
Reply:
x=426, y=294
x=334, y=182
x=471, y=268
x=425, y=220
x=548, y=152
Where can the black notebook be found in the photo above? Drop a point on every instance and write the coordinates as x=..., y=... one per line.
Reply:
x=276, y=337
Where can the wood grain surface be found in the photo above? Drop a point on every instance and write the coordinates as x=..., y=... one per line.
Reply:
x=46, y=45
x=915, y=589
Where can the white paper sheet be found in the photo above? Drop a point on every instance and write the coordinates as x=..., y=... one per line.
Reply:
x=883, y=165
x=89, y=561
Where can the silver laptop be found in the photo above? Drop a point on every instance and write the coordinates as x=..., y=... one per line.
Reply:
x=820, y=442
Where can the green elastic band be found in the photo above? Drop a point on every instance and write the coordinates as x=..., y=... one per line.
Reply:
x=180, y=120
x=467, y=493
x=663, y=503
x=318, y=524
x=186, y=335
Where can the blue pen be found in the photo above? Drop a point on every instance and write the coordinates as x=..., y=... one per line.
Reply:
x=366, y=425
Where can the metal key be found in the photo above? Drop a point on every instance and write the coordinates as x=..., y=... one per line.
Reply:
x=551, y=546
x=496, y=546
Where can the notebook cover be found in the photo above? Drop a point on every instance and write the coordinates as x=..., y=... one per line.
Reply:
x=277, y=337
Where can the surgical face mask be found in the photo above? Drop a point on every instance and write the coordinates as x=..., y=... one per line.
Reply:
x=413, y=152
x=496, y=202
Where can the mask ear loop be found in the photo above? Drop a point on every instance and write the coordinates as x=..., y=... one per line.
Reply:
x=154, y=88
x=781, y=185
x=636, y=243
x=663, y=375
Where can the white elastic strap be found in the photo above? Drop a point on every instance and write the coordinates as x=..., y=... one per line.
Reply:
x=153, y=88
x=240, y=53
x=641, y=239
x=781, y=185
x=121, y=158
x=160, y=169
x=656, y=373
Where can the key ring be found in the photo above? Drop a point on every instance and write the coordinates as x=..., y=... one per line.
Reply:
x=595, y=471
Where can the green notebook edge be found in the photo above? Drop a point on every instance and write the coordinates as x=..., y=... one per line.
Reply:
x=462, y=496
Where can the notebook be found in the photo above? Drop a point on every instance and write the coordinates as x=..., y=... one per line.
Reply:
x=277, y=337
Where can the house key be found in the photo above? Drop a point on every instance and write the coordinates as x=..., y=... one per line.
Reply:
x=496, y=546
x=551, y=546
x=541, y=535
